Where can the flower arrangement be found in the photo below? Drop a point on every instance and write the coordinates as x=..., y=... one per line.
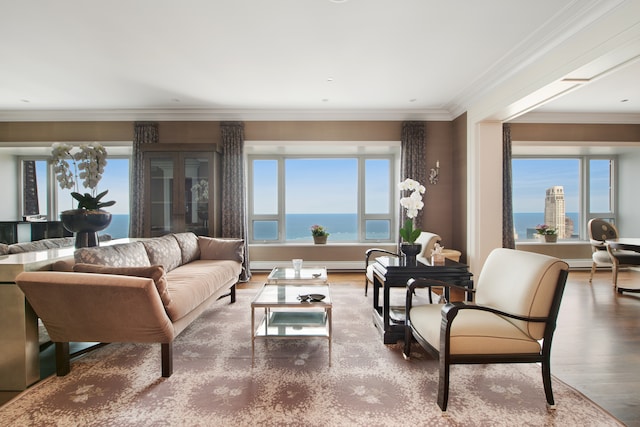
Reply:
x=544, y=229
x=412, y=203
x=87, y=164
x=318, y=231
x=200, y=191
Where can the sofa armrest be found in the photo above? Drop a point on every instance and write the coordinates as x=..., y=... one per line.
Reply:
x=97, y=307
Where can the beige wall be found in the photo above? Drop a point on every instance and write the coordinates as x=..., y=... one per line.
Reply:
x=438, y=214
x=575, y=132
x=459, y=183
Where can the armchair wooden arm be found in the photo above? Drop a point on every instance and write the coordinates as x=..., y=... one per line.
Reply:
x=422, y=282
x=368, y=276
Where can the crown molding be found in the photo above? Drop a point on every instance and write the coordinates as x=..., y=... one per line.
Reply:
x=572, y=19
x=222, y=115
x=579, y=118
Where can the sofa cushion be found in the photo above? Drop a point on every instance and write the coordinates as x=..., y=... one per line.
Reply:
x=18, y=248
x=191, y=284
x=188, y=243
x=214, y=248
x=122, y=255
x=155, y=272
x=164, y=251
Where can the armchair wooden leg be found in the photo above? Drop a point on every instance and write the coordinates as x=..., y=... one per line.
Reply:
x=63, y=363
x=366, y=286
x=546, y=381
x=406, y=353
x=593, y=270
x=614, y=273
x=443, y=383
x=167, y=359
x=232, y=293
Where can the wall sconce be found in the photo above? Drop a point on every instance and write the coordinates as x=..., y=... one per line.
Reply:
x=433, y=173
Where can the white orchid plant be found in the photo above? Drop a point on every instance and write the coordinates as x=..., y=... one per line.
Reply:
x=412, y=203
x=86, y=162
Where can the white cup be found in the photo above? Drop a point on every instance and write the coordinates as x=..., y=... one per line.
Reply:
x=297, y=264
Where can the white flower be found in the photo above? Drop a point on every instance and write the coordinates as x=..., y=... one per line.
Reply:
x=411, y=185
x=88, y=165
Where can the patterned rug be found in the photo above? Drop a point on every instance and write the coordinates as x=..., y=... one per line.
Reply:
x=291, y=382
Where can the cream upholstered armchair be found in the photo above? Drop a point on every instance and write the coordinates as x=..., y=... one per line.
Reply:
x=426, y=239
x=599, y=231
x=513, y=318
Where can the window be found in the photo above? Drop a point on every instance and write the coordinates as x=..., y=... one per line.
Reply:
x=351, y=196
x=562, y=192
x=43, y=196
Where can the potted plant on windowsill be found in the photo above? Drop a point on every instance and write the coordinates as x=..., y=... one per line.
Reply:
x=550, y=235
x=319, y=234
x=86, y=163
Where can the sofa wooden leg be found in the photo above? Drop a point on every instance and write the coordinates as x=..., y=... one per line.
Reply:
x=167, y=359
x=63, y=363
x=232, y=292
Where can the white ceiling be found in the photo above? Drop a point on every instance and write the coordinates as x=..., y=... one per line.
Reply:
x=376, y=59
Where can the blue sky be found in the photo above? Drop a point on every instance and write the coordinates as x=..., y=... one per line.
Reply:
x=321, y=185
x=531, y=178
x=115, y=179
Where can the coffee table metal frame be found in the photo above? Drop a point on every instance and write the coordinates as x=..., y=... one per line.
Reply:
x=285, y=316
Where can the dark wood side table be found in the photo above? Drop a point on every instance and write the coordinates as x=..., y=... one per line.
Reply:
x=390, y=272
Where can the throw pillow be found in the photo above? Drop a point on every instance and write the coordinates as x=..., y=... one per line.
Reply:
x=214, y=248
x=189, y=245
x=164, y=251
x=122, y=255
x=155, y=272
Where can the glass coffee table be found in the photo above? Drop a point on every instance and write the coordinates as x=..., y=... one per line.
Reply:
x=295, y=304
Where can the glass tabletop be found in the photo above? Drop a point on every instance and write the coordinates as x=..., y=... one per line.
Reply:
x=287, y=295
x=305, y=275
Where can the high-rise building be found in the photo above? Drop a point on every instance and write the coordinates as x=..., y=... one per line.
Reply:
x=554, y=210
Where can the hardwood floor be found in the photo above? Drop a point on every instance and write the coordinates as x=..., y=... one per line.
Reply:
x=596, y=347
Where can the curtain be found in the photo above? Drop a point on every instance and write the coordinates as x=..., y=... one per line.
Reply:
x=507, y=194
x=143, y=133
x=412, y=159
x=233, y=204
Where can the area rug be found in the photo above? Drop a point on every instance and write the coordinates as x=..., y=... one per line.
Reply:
x=291, y=382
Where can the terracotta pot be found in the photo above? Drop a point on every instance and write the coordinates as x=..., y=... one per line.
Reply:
x=550, y=238
x=320, y=240
x=86, y=224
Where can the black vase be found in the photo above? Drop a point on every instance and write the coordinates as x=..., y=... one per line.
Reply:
x=86, y=224
x=410, y=252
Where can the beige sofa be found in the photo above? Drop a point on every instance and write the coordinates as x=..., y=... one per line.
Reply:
x=144, y=291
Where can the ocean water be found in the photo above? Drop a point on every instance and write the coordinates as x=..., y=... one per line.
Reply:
x=525, y=223
x=341, y=227
x=119, y=227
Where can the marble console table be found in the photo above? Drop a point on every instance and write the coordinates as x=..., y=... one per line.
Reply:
x=19, y=345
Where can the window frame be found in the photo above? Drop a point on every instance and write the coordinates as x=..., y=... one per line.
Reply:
x=52, y=184
x=362, y=217
x=584, y=193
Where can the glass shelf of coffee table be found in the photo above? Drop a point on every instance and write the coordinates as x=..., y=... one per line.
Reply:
x=286, y=316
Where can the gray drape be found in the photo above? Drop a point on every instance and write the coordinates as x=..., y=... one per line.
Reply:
x=233, y=204
x=508, y=240
x=143, y=133
x=412, y=159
